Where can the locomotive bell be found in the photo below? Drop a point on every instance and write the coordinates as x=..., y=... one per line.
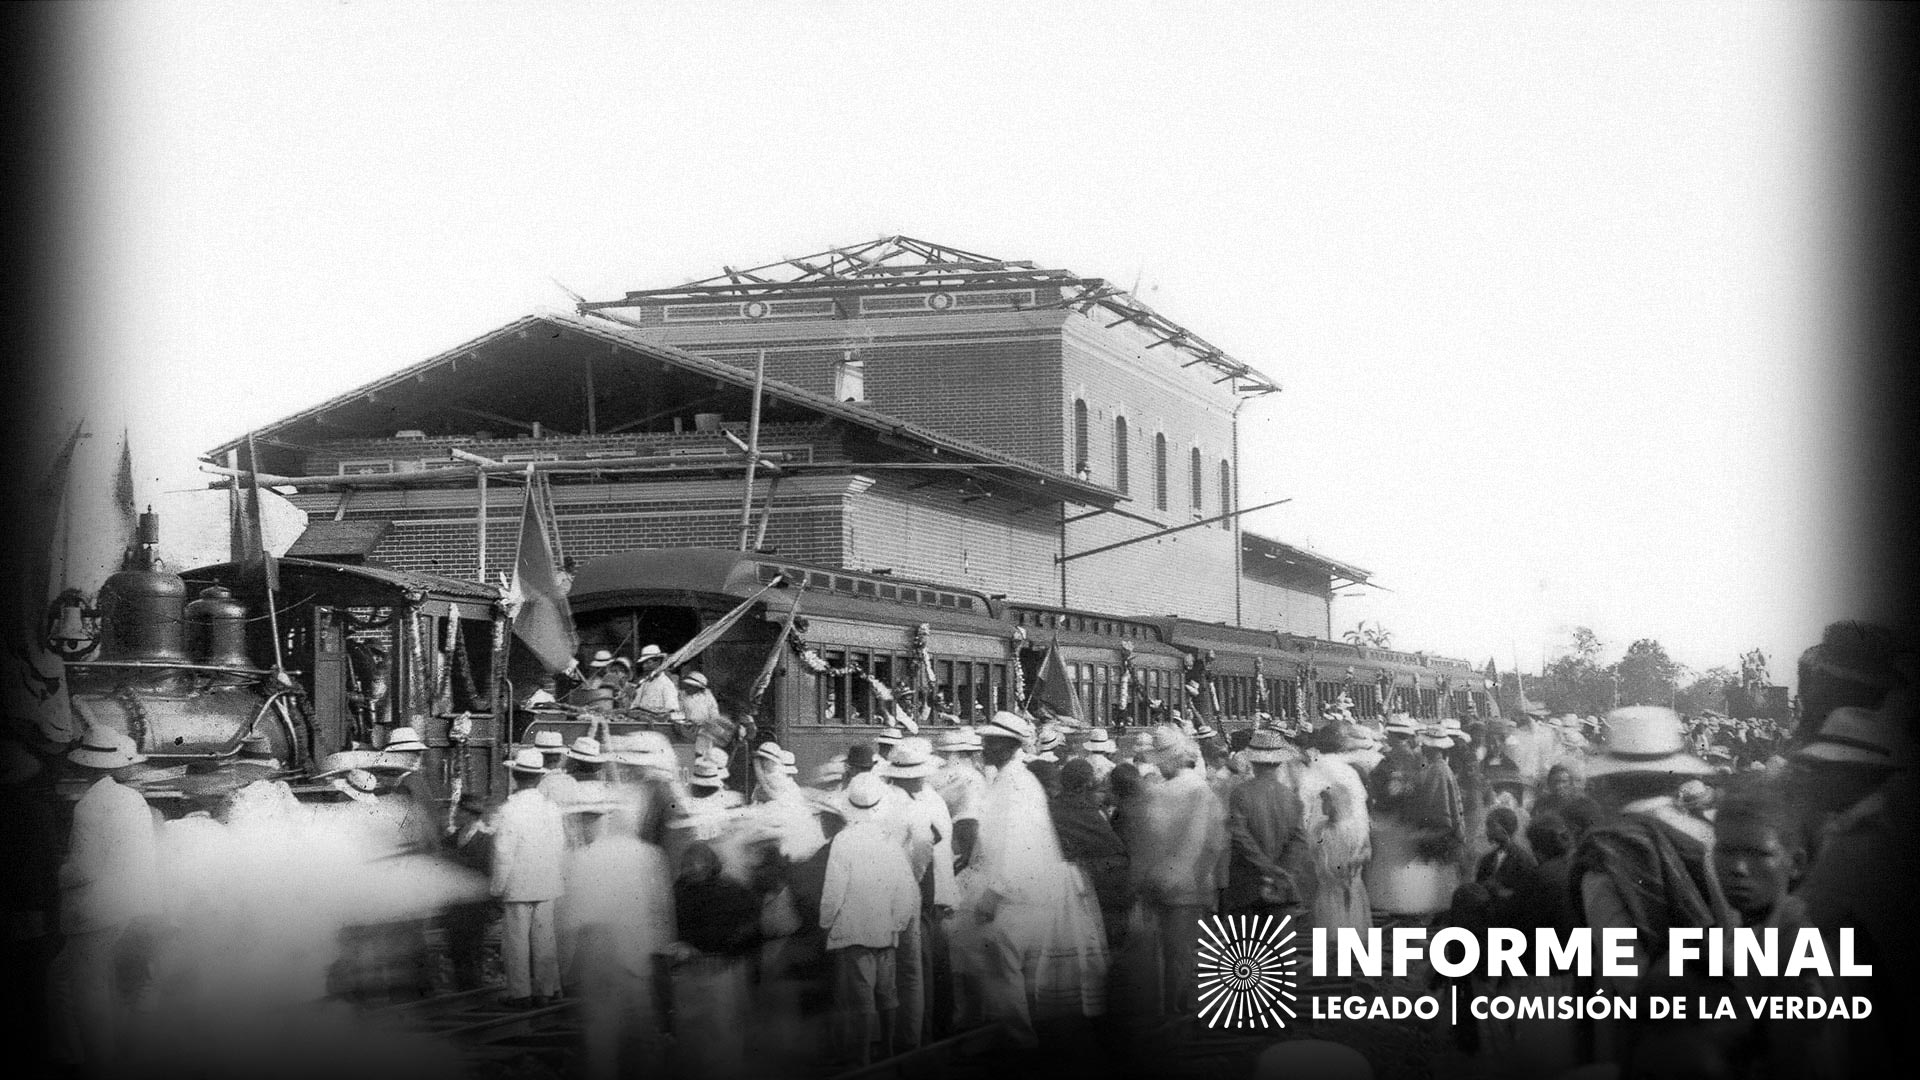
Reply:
x=141, y=615
x=217, y=629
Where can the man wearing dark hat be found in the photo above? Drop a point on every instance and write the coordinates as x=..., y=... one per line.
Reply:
x=1268, y=870
x=1857, y=773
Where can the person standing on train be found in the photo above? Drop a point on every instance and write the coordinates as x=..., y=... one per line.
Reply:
x=529, y=843
x=654, y=695
x=700, y=713
x=109, y=879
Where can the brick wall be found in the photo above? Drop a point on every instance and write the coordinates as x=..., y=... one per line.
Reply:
x=929, y=533
x=437, y=530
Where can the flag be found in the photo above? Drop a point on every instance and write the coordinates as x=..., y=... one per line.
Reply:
x=44, y=567
x=536, y=600
x=1054, y=688
x=717, y=628
x=249, y=540
x=772, y=664
x=126, y=515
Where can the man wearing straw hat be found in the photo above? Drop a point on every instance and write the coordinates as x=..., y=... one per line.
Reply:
x=867, y=906
x=1098, y=752
x=1180, y=850
x=929, y=831
x=962, y=786
x=529, y=844
x=1268, y=871
x=109, y=879
x=1647, y=867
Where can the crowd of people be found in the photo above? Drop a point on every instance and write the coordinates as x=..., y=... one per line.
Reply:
x=1045, y=876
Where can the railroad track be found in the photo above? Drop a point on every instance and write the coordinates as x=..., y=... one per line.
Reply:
x=485, y=1030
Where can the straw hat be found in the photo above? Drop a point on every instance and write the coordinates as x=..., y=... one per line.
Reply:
x=863, y=796
x=1453, y=728
x=1434, y=735
x=1202, y=732
x=961, y=740
x=772, y=757
x=548, y=741
x=912, y=759
x=356, y=784
x=707, y=772
x=1269, y=747
x=1401, y=724
x=402, y=740
x=1863, y=736
x=696, y=679
x=1647, y=739
x=1006, y=725
x=1170, y=743
x=830, y=773
x=528, y=760
x=1142, y=742
x=651, y=652
x=891, y=736
x=105, y=748
x=649, y=748
x=586, y=748
x=600, y=659
x=1099, y=742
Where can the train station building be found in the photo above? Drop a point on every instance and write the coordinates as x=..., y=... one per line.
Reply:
x=926, y=412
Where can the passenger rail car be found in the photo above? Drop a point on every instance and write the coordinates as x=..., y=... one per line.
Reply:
x=864, y=635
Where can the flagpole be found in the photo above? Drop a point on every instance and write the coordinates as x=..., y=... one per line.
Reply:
x=258, y=533
x=753, y=448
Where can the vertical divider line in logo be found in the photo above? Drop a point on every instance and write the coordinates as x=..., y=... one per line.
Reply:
x=1453, y=1006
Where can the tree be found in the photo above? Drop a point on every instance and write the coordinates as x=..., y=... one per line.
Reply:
x=1707, y=690
x=1587, y=644
x=1648, y=676
x=1370, y=634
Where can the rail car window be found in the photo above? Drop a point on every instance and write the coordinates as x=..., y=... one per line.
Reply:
x=834, y=690
x=1430, y=703
x=1366, y=700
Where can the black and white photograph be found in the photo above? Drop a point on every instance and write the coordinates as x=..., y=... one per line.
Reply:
x=751, y=540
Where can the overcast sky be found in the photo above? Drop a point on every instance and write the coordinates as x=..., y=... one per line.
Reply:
x=1550, y=287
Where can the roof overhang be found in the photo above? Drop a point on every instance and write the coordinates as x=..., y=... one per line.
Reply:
x=571, y=373
x=1294, y=555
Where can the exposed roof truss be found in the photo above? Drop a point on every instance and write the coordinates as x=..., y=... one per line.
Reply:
x=906, y=263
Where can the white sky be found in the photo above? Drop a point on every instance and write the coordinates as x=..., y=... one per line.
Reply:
x=1549, y=287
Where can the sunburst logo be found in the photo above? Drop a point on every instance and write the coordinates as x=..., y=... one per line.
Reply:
x=1246, y=976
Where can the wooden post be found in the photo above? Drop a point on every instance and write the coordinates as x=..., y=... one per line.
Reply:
x=753, y=447
x=593, y=418
x=480, y=485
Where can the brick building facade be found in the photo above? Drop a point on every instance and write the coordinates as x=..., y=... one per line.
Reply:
x=928, y=411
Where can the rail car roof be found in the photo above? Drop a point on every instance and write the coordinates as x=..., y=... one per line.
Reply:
x=373, y=582
x=733, y=573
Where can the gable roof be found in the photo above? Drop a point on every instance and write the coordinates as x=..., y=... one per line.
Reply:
x=529, y=364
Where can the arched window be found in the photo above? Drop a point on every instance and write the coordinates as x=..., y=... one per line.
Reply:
x=1160, y=471
x=1226, y=494
x=1196, y=480
x=1080, y=460
x=1120, y=454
